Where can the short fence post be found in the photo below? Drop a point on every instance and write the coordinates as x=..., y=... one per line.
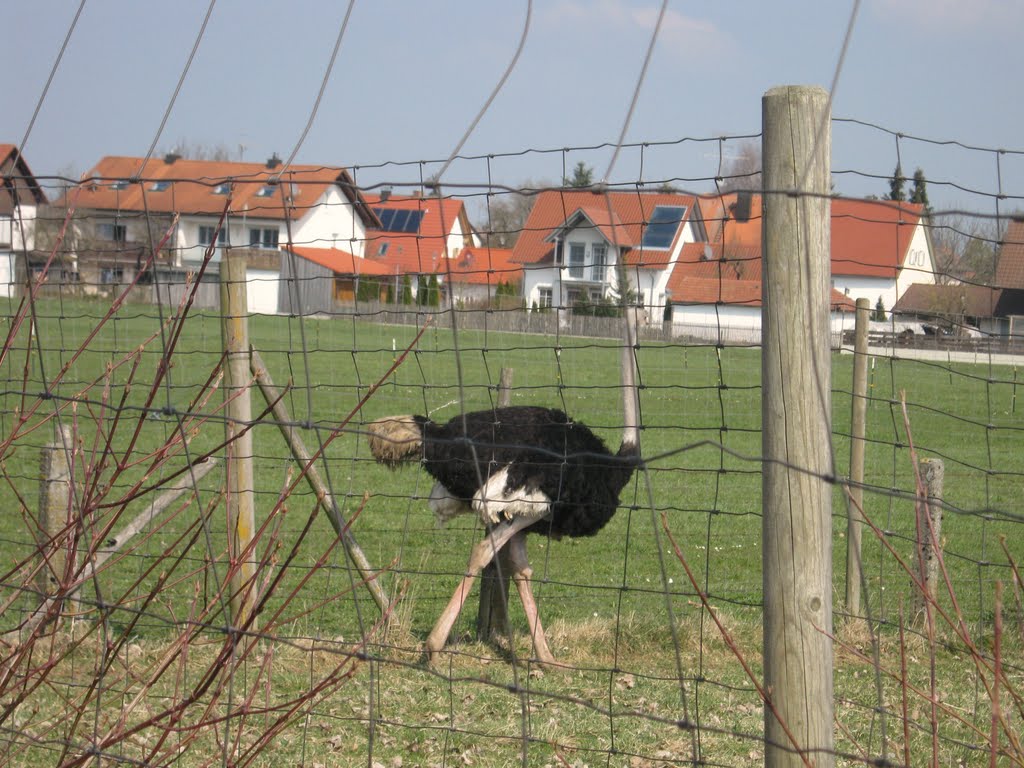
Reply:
x=858, y=430
x=238, y=468
x=492, y=616
x=928, y=511
x=796, y=428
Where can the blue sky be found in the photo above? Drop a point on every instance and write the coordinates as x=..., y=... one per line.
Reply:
x=410, y=77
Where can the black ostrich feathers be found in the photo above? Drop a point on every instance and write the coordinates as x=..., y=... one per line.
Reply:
x=518, y=461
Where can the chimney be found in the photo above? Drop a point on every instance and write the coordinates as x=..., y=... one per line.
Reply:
x=385, y=194
x=171, y=157
x=273, y=161
x=743, y=205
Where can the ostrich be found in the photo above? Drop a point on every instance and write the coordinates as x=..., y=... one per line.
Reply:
x=521, y=469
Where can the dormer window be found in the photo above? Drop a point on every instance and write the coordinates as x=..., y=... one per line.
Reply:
x=222, y=189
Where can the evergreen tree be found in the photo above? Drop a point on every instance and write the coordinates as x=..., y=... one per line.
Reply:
x=433, y=292
x=582, y=176
x=390, y=297
x=919, y=192
x=897, y=184
x=879, y=314
x=406, y=290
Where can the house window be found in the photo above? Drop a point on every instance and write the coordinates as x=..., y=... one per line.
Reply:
x=106, y=230
x=206, y=235
x=600, y=253
x=544, y=297
x=5, y=231
x=222, y=189
x=119, y=184
x=577, y=255
x=159, y=186
x=263, y=238
x=559, y=258
x=266, y=191
x=596, y=296
x=111, y=275
x=663, y=225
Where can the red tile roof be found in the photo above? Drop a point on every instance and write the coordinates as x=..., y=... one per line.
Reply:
x=870, y=238
x=339, y=261
x=416, y=252
x=1010, y=269
x=702, y=276
x=192, y=186
x=483, y=266
x=552, y=208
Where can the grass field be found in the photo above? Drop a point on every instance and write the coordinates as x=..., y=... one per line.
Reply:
x=619, y=606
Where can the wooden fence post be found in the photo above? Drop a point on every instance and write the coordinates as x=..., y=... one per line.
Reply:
x=858, y=430
x=796, y=423
x=238, y=468
x=55, y=513
x=929, y=529
x=492, y=617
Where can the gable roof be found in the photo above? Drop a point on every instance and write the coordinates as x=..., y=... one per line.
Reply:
x=17, y=179
x=1010, y=269
x=179, y=185
x=620, y=216
x=338, y=261
x=870, y=238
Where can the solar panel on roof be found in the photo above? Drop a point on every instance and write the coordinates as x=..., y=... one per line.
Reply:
x=399, y=220
x=663, y=225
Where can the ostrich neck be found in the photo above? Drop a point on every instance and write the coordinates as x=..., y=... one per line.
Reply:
x=630, y=404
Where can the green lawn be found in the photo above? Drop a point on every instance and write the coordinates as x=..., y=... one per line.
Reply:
x=618, y=606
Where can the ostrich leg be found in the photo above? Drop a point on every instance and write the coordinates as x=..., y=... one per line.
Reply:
x=482, y=555
x=521, y=573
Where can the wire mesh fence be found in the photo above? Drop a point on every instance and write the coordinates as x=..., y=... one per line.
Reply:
x=161, y=608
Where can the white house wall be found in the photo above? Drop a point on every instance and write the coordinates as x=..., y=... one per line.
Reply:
x=261, y=291
x=330, y=222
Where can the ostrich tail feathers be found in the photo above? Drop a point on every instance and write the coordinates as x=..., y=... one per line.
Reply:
x=396, y=439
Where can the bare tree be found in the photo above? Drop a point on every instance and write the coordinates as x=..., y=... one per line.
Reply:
x=741, y=169
x=965, y=248
x=505, y=215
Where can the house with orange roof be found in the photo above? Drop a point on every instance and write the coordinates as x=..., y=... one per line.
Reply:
x=878, y=250
x=576, y=243
x=21, y=197
x=124, y=204
x=879, y=247
x=418, y=237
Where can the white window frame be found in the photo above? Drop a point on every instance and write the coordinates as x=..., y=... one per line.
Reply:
x=206, y=235
x=577, y=260
x=264, y=237
x=545, y=296
x=599, y=261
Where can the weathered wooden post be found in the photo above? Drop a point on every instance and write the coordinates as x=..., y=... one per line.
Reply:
x=55, y=513
x=858, y=430
x=928, y=510
x=238, y=468
x=796, y=423
x=492, y=616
